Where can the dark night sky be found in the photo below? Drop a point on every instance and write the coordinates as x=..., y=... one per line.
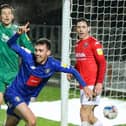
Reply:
x=37, y=11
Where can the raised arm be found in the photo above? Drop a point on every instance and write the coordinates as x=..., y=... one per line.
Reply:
x=22, y=29
x=12, y=43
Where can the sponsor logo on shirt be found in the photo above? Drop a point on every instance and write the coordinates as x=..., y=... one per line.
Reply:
x=80, y=55
x=33, y=81
x=99, y=51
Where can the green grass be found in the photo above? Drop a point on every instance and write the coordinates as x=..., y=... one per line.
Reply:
x=47, y=94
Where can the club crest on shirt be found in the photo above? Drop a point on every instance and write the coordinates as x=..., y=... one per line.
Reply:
x=86, y=44
x=47, y=71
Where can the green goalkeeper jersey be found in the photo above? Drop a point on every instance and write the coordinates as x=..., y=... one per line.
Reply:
x=9, y=60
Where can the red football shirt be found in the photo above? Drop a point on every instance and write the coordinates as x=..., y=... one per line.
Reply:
x=90, y=60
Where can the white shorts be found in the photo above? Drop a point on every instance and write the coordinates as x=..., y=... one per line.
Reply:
x=86, y=101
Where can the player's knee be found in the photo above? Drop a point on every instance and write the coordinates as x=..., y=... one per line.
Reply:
x=84, y=112
x=32, y=122
x=92, y=119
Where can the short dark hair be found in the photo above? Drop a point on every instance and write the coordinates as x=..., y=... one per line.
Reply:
x=44, y=41
x=2, y=6
x=84, y=20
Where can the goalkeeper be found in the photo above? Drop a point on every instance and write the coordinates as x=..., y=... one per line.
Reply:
x=9, y=60
x=34, y=73
x=91, y=64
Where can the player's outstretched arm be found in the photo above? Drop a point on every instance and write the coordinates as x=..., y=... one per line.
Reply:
x=87, y=90
x=69, y=69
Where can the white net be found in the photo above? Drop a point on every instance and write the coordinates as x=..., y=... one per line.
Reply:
x=108, y=24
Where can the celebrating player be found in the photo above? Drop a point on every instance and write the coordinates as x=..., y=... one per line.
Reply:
x=35, y=71
x=9, y=61
x=91, y=64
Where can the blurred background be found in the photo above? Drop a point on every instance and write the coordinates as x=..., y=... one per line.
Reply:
x=44, y=17
x=37, y=11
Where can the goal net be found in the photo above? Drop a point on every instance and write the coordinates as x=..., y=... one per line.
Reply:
x=108, y=24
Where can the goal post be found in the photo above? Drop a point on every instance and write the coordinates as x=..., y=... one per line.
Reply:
x=66, y=60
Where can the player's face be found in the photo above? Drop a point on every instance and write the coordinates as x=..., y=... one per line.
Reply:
x=6, y=16
x=82, y=30
x=41, y=53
